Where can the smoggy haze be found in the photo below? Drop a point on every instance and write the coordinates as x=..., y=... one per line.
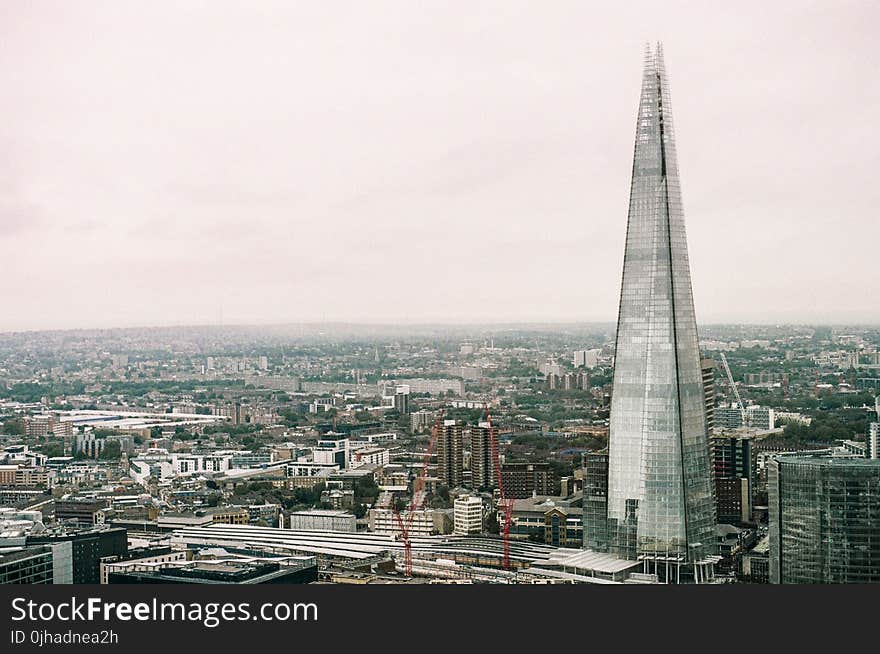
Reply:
x=398, y=161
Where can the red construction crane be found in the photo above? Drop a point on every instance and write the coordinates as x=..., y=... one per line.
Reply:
x=418, y=498
x=504, y=503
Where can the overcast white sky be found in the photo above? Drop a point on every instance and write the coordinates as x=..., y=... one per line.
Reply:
x=420, y=161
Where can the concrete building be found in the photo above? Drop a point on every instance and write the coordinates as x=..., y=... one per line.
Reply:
x=586, y=358
x=422, y=419
x=522, y=480
x=482, y=462
x=379, y=456
x=873, y=441
x=77, y=553
x=707, y=369
x=80, y=511
x=230, y=515
x=424, y=522
x=450, y=453
x=321, y=520
x=430, y=386
x=756, y=562
x=734, y=468
x=229, y=571
x=333, y=449
x=40, y=425
x=18, y=476
x=401, y=398
x=729, y=417
x=760, y=417
x=26, y=565
x=468, y=515
x=556, y=521
x=140, y=560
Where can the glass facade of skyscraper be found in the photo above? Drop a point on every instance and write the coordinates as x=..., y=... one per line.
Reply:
x=824, y=520
x=660, y=504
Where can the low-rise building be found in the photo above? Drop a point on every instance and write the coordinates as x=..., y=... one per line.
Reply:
x=139, y=560
x=422, y=522
x=320, y=520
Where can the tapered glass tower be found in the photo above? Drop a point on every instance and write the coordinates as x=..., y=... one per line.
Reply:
x=659, y=504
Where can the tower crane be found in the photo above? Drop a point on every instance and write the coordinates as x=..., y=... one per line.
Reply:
x=742, y=407
x=505, y=503
x=418, y=498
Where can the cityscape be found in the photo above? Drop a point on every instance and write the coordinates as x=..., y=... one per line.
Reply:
x=651, y=450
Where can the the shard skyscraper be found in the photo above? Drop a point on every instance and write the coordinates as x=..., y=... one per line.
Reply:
x=660, y=506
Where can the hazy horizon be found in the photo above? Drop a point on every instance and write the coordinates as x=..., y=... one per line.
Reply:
x=415, y=326
x=448, y=163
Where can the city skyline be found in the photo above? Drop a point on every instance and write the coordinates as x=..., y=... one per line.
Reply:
x=280, y=166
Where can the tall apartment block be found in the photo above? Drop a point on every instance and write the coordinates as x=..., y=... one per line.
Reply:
x=523, y=480
x=450, y=453
x=482, y=464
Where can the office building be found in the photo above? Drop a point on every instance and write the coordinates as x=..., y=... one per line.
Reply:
x=82, y=512
x=26, y=565
x=422, y=522
x=141, y=559
x=660, y=504
x=467, y=515
x=401, y=399
x=379, y=456
x=824, y=515
x=552, y=520
x=321, y=520
x=734, y=470
x=873, y=441
x=586, y=358
x=450, y=453
x=431, y=386
x=77, y=553
x=37, y=426
x=303, y=571
x=595, y=501
x=760, y=417
x=729, y=417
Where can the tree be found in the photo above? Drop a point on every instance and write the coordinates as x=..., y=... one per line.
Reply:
x=492, y=526
x=14, y=427
x=111, y=452
x=52, y=449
